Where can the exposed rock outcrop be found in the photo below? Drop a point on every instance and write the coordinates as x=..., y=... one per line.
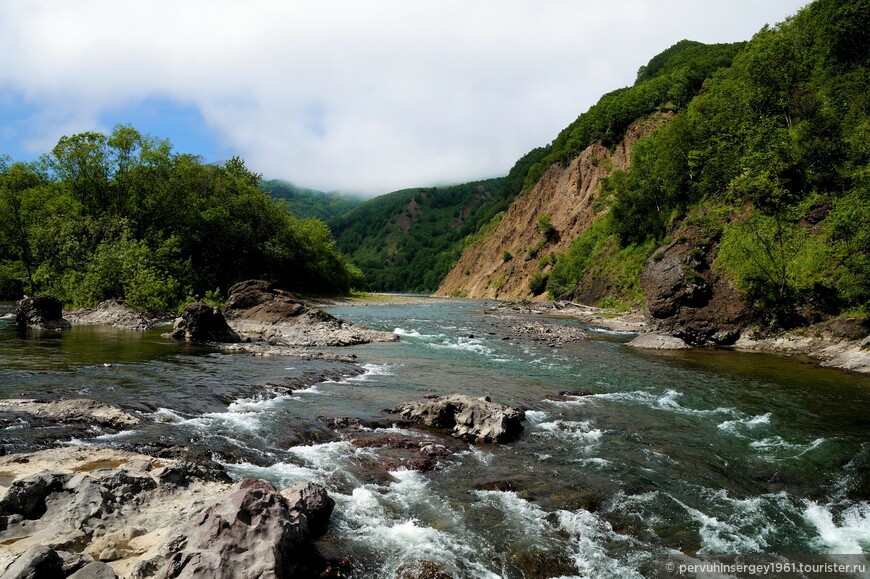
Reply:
x=147, y=517
x=566, y=195
x=686, y=298
x=200, y=322
x=110, y=313
x=836, y=343
x=473, y=419
x=260, y=312
x=76, y=410
x=40, y=313
x=658, y=342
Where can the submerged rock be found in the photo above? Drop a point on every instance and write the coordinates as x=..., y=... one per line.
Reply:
x=40, y=313
x=200, y=322
x=473, y=419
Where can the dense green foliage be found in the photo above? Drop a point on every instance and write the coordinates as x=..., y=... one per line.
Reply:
x=408, y=241
x=669, y=81
x=308, y=203
x=122, y=216
x=781, y=141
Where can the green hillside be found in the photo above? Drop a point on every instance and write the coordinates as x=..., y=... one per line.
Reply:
x=407, y=241
x=771, y=161
x=308, y=203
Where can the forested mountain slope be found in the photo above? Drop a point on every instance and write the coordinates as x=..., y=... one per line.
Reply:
x=408, y=240
x=306, y=203
x=758, y=188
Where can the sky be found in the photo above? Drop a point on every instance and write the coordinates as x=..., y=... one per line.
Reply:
x=356, y=96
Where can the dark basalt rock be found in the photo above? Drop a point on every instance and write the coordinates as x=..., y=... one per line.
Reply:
x=200, y=322
x=687, y=299
x=40, y=313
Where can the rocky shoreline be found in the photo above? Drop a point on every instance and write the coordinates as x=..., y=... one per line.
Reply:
x=90, y=512
x=842, y=343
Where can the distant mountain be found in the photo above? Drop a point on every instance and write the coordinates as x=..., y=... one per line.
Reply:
x=407, y=241
x=305, y=203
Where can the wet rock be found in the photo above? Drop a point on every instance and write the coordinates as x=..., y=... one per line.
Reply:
x=311, y=501
x=82, y=410
x=422, y=569
x=658, y=342
x=257, y=310
x=473, y=419
x=200, y=322
x=95, y=570
x=38, y=562
x=111, y=313
x=40, y=313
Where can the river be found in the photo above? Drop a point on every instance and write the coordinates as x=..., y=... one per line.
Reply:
x=651, y=455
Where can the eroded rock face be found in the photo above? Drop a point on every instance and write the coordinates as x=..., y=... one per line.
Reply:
x=149, y=517
x=40, y=313
x=473, y=419
x=257, y=310
x=687, y=299
x=200, y=322
x=251, y=533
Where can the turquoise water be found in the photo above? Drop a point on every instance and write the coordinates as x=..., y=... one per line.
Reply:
x=674, y=454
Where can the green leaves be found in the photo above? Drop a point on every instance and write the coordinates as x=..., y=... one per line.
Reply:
x=121, y=216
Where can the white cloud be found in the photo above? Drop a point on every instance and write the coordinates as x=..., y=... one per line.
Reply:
x=360, y=95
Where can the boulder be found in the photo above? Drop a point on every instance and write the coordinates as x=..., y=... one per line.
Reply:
x=149, y=517
x=658, y=342
x=82, y=410
x=38, y=562
x=111, y=313
x=311, y=501
x=472, y=419
x=257, y=310
x=250, y=533
x=200, y=322
x=40, y=313
x=95, y=570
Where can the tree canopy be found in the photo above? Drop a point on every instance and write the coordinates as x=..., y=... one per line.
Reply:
x=123, y=216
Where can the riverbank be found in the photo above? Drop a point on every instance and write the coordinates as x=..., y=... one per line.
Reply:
x=841, y=343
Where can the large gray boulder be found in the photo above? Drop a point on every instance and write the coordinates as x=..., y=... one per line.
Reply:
x=40, y=313
x=472, y=419
x=200, y=322
x=253, y=532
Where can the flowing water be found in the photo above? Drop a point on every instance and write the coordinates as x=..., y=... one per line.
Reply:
x=654, y=455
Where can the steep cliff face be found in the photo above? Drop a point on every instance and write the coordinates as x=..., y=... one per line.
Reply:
x=501, y=265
